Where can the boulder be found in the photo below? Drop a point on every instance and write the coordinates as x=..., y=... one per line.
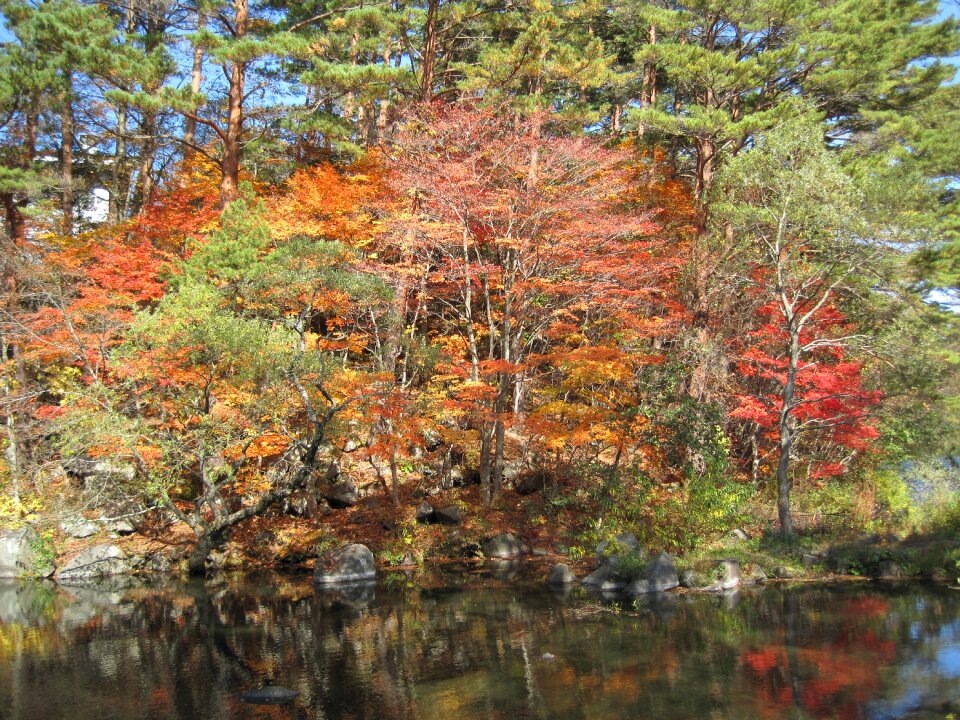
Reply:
x=756, y=576
x=727, y=574
x=606, y=580
x=77, y=526
x=739, y=534
x=561, y=574
x=690, y=579
x=531, y=482
x=20, y=556
x=120, y=526
x=343, y=494
x=425, y=512
x=269, y=695
x=809, y=560
x=333, y=471
x=660, y=575
x=503, y=546
x=352, y=563
x=449, y=515
x=95, y=562
x=782, y=572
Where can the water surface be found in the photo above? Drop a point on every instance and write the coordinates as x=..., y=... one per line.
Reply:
x=463, y=647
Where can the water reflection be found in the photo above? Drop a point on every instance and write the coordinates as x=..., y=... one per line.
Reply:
x=468, y=646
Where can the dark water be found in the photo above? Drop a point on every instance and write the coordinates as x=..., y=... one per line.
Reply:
x=464, y=647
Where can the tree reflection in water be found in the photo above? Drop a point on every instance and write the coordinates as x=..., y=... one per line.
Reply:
x=468, y=647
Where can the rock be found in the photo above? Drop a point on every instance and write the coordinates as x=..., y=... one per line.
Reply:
x=809, y=560
x=269, y=695
x=353, y=563
x=606, y=580
x=727, y=573
x=449, y=515
x=296, y=504
x=503, y=546
x=156, y=563
x=739, y=534
x=659, y=576
x=456, y=477
x=532, y=482
x=782, y=572
x=349, y=446
x=539, y=552
x=756, y=576
x=120, y=526
x=425, y=512
x=561, y=574
x=342, y=495
x=20, y=556
x=79, y=527
x=598, y=576
x=689, y=579
x=608, y=551
x=333, y=471
x=548, y=656
x=95, y=562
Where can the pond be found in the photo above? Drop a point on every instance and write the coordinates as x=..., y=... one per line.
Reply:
x=465, y=646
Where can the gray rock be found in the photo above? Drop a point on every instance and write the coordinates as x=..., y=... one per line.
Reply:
x=425, y=512
x=95, y=562
x=503, y=546
x=756, y=576
x=809, y=560
x=727, y=573
x=608, y=551
x=539, y=552
x=689, y=579
x=19, y=556
x=606, y=580
x=739, y=534
x=333, y=470
x=449, y=515
x=782, y=572
x=352, y=563
x=120, y=526
x=79, y=527
x=342, y=495
x=269, y=695
x=561, y=574
x=659, y=576
x=532, y=482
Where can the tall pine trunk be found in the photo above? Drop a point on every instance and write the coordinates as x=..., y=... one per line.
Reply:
x=66, y=157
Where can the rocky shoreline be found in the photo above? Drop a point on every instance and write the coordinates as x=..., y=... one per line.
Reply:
x=620, y=566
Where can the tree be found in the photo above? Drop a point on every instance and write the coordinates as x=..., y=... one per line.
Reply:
x=794, y=215
x=514, y=246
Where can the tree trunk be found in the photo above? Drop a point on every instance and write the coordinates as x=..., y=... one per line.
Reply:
x=787, y=433
x=66, y=157
x=428, y=61
x=230, y=164
x=116, y=172
x=196, y=79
